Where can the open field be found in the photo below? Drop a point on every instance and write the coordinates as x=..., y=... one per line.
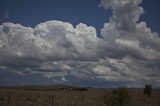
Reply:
x=68, y=96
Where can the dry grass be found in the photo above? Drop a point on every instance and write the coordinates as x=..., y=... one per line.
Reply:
x=60, y=97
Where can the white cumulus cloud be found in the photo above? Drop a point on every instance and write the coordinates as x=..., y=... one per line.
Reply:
x=128, y=52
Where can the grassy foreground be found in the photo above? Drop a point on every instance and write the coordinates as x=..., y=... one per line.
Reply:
x=70, y=96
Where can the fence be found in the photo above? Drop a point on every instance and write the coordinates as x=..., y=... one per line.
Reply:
x=11, y=97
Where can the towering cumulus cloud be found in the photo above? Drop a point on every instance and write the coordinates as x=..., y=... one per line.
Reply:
x=128, y=52
x=124, y=31
x=125, y=13
x=131, y=42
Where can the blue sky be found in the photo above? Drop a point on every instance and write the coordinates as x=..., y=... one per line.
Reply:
x=57, y=42
x=32, y=12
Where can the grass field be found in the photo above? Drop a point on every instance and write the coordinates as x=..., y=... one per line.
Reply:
x=68, y=96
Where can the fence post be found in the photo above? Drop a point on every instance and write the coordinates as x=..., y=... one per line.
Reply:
x=52, y=99
x=9, y=97
x=17, y=98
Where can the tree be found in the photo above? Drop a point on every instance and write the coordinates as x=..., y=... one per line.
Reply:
x=148, y=90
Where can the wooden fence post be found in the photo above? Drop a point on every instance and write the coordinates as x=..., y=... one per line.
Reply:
x=9, y=97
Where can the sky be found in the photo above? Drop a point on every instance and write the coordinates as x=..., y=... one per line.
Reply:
x=98, y=43
x=33, y=12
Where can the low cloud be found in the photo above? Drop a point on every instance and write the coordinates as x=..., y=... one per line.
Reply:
x=128, y=51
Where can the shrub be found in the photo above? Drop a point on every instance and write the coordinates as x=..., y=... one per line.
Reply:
x=117, y=97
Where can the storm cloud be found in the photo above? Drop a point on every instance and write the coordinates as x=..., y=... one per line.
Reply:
x=128, y=51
